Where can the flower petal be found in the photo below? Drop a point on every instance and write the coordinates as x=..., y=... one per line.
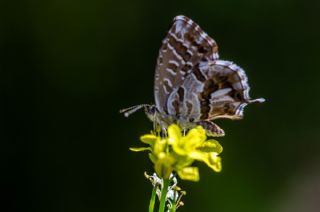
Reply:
x=194, y=138
x=179, y=149
x=214, y=162
x=174, y=134
x=198, y=155
x=211, y=146
x=189, y=173
x=152, y=157
x=182, y=162
x=148, y=139
x=163, y=166
x=177, y=152
x=160, y=146
x=198, y=132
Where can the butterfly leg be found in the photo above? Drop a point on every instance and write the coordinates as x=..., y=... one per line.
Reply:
x=164, y=133
x=211, y=128
x=184, y=131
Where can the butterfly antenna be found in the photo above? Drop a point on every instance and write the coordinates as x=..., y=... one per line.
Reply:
x=128, y=111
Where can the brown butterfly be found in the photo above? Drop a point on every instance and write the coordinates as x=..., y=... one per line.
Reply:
x=192, y=86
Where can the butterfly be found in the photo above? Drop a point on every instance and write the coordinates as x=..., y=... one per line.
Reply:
x=192, y=86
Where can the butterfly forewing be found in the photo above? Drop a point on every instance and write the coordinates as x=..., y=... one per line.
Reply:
x=185, y=47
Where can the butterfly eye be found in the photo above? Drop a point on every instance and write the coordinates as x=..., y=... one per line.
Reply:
x=151, y=109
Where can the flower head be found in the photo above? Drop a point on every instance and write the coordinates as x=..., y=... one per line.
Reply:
x=177, y=152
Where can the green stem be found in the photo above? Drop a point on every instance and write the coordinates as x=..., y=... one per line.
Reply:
x=173, y=207
x=174, y=203
x=163, y=198
x=152, y=199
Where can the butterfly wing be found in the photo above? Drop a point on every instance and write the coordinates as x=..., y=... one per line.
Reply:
x=215, y=89
x=185, y=46
x=231, y=94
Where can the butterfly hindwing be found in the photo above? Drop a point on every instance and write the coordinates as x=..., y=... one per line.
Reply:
x=216, y=89
x=226, y=91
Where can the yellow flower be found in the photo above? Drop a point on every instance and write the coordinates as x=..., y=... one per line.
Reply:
x=177, y=152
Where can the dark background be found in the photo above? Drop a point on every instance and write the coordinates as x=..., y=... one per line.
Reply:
x=67, y=67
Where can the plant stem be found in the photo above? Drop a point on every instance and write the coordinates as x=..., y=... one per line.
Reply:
x=174, y=203
x=163, y=198
x=173, y=207
x=152, y=199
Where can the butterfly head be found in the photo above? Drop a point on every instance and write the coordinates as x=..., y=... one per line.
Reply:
x=151, y=112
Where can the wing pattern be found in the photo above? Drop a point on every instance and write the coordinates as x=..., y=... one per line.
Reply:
x=192, y=86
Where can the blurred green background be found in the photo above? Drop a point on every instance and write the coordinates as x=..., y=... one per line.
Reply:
x=67, y=67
